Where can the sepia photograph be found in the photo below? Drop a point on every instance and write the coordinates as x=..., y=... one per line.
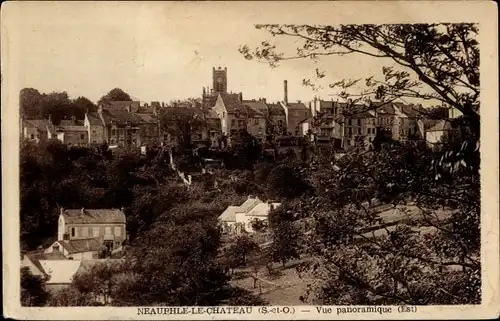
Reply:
x=229, y=160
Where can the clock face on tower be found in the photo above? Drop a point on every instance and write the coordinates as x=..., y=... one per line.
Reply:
x=219, y=80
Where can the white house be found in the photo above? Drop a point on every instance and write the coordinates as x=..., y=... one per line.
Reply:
x=236, y=219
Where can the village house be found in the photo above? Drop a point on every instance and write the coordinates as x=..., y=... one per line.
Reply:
x=32, y=261
x=34, y=129
x=276, y=120
x=69, y=132
x=437, y=131
x=86, y=233
x=126, y=126
x=238, y=219
x=95, y=128
x=232, y=113
x=257, y=115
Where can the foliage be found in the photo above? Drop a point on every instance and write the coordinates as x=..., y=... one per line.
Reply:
x=238, y=250
x=33, y=292
x=181, y=123
x=56, y=105
x=115, y=94
x=100, y=282
x=433, y=61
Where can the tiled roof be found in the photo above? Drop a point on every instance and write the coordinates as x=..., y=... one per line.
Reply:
x=94, y=119
x=121, y=117
x=256, y=105
x=122, y=105
x=229, y=215
x=412, y=110
x=40, y=124
x=82, y=245
x=60, y=271
x=87, y=265
x=249, y=204
x=262, y=209
x=232, y=103
x=71, y=122
x=297, y=106
x=441, y=125
x=253, y=112
x=92, y=216
x=71, y=128
x=35, y=258
x=147, y=118
x=276, y=110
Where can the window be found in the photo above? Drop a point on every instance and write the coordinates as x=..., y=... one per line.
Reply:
x=359, y=122
x=359, y=131
x=73, y=232
x=118, y=231
x=256, y=121
x=350, y=131
x=95, y=231
x=349, y=122
x=55, y=248
x=85, y=231
x=94, y=141
x=32, y=136
x=93, y=132
x=108, y=230
x=82, y=136
x=233, y=122
x=113, y=132
x=112, y=141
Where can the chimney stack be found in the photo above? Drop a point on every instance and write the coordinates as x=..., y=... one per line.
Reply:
x=62, y=210
x=285, y=85
x=83, y=210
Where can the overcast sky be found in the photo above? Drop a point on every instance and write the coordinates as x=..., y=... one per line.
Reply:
x=163, y=51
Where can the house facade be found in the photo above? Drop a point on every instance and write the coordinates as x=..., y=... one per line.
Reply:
x=239, y=219
x=128, y=126
x=95, y=129
x=34, y=129
x=83, y=233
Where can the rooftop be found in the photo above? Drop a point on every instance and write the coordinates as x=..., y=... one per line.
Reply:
x=81, y=245
x=60, y=271
x=87, y=216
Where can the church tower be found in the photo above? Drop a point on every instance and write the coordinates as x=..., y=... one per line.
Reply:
x=219, y=78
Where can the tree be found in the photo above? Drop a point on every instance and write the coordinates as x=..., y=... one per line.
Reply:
x=115, y=94
x=285, y=244
x=240, y=248
x=83, y=104
x=436, y=61
x=30, y=103
x=99, y=282
x=246, y=150
x=181, y=123
x=33, y=292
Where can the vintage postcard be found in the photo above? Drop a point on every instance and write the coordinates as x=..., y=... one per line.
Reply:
x=250, y=160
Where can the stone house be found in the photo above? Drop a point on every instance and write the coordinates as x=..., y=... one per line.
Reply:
x=127, y=128
x=95, y=128
x=69, y=132
x=276, y=120
x=256, y=118
x=34, y=129
x=83, y=233
x=232, y=113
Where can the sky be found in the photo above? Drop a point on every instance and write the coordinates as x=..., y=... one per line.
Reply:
x=163, y=51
